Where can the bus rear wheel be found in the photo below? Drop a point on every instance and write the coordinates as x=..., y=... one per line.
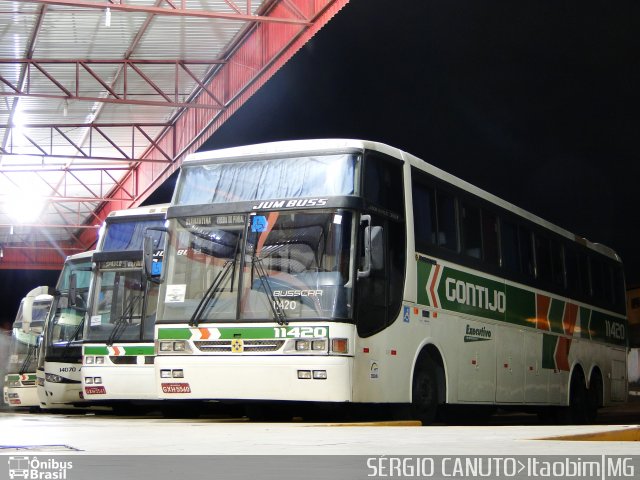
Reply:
x=424, y=399
x=577, y=411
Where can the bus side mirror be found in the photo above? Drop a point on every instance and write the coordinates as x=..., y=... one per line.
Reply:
x=376, y=247
x=73, y=291
x=147, y=253
x=373, y=248
x=154, y=271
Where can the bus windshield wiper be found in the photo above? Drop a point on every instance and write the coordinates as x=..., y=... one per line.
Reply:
x=275, y=304
x=27, y=361
x=74, y=336
x=211, y=292
x=127, y=316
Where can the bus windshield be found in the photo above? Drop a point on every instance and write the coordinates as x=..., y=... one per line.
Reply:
x=68, y=313
x=283, y=266
x=128, y=234
x=296, y=177
x=118, y=308
x=23, y=351
x=26, y=334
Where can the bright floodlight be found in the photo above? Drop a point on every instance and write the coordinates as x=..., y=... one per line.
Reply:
x=24, y=208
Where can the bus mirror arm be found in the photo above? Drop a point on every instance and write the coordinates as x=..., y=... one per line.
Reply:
x=373, y=248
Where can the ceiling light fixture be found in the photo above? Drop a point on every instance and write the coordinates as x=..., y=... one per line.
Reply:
x=23, y=207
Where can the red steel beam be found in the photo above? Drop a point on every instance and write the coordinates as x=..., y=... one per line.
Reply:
x=175, y=11
x=257, y=58
x=48, y=225
x=265, y=47
x=62, y=139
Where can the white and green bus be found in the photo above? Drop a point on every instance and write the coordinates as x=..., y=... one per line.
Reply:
x=59, y=373
x=118, y=343
x=20, y=380
x=347, y=271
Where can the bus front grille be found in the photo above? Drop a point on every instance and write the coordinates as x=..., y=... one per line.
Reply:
x=247, y=345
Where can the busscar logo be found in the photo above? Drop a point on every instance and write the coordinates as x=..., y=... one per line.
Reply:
x=38, y=469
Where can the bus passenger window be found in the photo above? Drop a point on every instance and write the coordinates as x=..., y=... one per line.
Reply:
x=557, y=263
x=509, y=244
x=383, y=182
x=424, y=215
x=526, y=252
x=470, y=231
x=573, y=273
x=543, y=259
x=598, y=279
x=490, y=247
x=585, y=275
x=447, y=224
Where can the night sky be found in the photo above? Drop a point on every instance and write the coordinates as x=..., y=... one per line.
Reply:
x=535, y=102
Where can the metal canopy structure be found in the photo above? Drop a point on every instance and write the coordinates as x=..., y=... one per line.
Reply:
x=100, y=100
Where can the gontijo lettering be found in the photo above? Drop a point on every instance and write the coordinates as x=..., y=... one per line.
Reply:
x=475, y=295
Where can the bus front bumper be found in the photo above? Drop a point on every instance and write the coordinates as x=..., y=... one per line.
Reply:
x=277, y=378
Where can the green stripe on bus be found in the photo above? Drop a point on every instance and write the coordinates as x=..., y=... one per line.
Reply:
x=96, y=351
x=556, y=312
x=139, y=350
x=15, y=378
x=174, y=334
x=549, y=343
x=521, y=307
x=470, y=294
x=129, y=350
x=247, y=333
x=251, y=333
x=585, y=318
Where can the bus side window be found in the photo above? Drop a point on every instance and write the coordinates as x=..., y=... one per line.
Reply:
x=447, y=221
x=584, y=283
x=490, y=245
x=598, y=279
x=573, y=272
x=557, y=263
x=470, y=230
x=424, y=215
x=543, y=259
x=526, y=251
x=618, y=287
x=509, y=246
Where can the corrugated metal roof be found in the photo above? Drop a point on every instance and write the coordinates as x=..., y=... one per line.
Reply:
x=86, y=94
x=51, y=35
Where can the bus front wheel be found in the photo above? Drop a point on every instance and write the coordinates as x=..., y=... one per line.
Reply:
x=424, y=400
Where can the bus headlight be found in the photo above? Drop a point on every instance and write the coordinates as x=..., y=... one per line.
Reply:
x=89, y=360
x=14, y=384
x=303, y=345
x=53, y=378
x=99, y=360
x=170, y=346
x=318, y=345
